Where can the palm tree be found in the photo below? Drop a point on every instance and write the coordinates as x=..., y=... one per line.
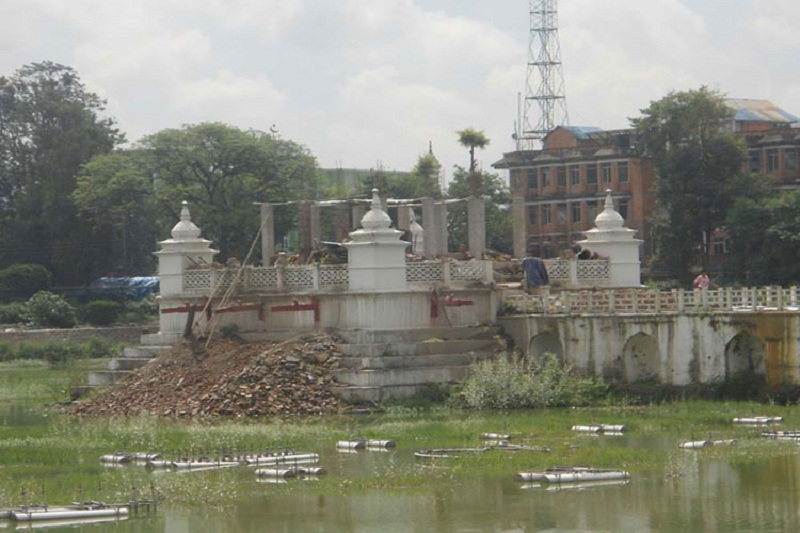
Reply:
x=472, y=138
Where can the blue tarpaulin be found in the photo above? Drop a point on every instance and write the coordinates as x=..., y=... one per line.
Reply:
x=134, y=288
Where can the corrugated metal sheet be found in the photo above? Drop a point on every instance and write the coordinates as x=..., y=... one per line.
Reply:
x=759, y=111
x=582, y=132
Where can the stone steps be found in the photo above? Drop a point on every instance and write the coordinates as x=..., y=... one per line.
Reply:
x=377, y=365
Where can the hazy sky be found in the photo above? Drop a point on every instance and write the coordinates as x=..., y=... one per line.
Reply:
x=368, y=82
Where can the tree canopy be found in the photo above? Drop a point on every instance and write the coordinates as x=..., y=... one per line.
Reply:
x=700, y=174
x=50, y=125
x=220, y=170
x=471, y=139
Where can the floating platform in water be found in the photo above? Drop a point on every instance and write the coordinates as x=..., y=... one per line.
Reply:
x=759, y=420
x=573, y=474
x=600, y=428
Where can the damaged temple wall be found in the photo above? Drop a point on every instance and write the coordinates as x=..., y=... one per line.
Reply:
x=675, y=349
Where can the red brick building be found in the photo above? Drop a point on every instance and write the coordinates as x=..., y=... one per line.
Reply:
x=563, y=184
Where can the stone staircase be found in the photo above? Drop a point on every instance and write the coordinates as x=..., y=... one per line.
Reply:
x=121, y=367
x=376, y=365
x=384, y=364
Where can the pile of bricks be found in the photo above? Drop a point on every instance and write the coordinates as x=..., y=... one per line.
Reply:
x=229, y=378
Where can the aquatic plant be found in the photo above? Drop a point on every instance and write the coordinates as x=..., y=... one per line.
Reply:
x=523, y=382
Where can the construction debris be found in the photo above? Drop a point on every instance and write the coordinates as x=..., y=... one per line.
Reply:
x=229, y=378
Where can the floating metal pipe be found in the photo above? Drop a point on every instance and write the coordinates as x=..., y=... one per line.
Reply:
x=351, y=444
x=276, y=472
x=759, y=420
x=695, y=444
x=495, y=436
x=22, y=516
x=116, y=458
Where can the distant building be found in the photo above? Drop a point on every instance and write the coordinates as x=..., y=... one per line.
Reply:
x=564, y=182
x=564, y=185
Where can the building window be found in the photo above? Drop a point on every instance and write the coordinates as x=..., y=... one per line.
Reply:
x=754, y=158
x=533, y=182
x=591, y=174
x=606, y=169
x=546, y=215
x=790, y=158
x=561, y=214
x=544, y=174
x=575, y=175
x=772, y=160
x=623, y=209
x=533, y=215
x=622, y=173
x=576, y=211
x=719, y=246
x=561, y=176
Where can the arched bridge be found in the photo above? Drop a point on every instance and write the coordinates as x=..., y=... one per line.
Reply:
x=672, y=337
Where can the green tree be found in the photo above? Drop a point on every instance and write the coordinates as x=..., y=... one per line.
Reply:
x=50, y=125
x=499, y=224
x=114, y=197
x=765, y=239
x=425, y=176
x=221, y=171
x=700, y=174
x=471, y=138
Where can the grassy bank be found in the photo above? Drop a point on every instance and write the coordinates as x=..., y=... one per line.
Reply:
x=43, y=450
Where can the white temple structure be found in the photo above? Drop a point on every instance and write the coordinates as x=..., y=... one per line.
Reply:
x=610, y=239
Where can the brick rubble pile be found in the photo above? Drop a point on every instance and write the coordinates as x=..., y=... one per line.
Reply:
x=229, y=378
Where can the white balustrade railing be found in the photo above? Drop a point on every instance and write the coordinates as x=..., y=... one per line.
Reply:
x=651, y=301
x=320, y=277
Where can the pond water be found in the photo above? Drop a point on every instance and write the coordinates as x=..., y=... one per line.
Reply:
x=698, y=492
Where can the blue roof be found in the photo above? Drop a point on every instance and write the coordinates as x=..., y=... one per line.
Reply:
x=582, y=132
x=759, y=111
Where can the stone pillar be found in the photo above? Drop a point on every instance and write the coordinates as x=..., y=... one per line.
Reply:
x=476, y=226
x=403, y=217
x=304, y=230
x=314, y=224
x=442, y=239
x=520, y=224
x=267, y=234
x=342, y=222
x=417, y=234
x=358, y=213
x=429, y=219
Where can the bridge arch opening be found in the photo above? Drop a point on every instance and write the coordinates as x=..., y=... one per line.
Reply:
x=641, y=359
x=745, y=355
x=544, y=343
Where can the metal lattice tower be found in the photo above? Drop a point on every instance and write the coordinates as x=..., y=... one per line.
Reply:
x=545, y=101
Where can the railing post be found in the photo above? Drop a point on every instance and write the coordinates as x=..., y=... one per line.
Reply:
x=281, y=278
x=315, y=276
x=488, y=272
x=728, y=299
x=780, y=301
x=657, y=300
x=793, y=295
x=446, y=272
x=680, y=300
x=612, y=301
x=573, y=273
x=566, y=300
x=754, y=299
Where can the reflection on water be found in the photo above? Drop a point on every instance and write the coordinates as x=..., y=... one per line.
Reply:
x=699, y=492
x=705, y=496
